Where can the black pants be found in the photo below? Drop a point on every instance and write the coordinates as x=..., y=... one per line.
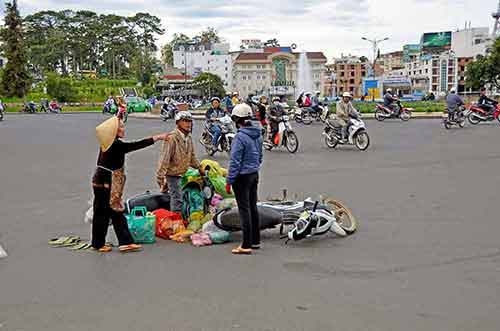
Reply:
x=245, y=191
x=100, y=223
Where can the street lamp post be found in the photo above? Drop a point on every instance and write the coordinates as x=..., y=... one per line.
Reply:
x=375, y=43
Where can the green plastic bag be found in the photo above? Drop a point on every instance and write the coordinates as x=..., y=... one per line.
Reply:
x=219, y=184
x=191, y=176
x=142, y=225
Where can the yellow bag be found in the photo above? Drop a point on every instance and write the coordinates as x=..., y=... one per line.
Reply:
x=215, y=168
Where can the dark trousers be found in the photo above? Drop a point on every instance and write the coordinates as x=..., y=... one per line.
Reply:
x=100, y=223
x=245, y=191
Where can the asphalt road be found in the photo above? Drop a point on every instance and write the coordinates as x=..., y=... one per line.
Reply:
x=426, y=256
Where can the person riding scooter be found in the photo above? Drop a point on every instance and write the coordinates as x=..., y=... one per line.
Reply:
x=307, y=101
x=262, y=109
x=453, y=102
x=485, y=103
x=316, y=103
x=212, y=116
x=108, y=105
x=276, y=111
x=344, y=111
x=389, y=100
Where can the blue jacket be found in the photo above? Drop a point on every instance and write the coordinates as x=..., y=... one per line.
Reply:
x=453, y=101
x=246, y=153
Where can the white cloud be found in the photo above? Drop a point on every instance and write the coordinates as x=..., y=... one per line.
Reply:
x=331, y=26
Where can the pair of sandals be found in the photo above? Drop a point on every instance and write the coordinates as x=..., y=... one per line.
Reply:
x=244, y=251
x=72, y=242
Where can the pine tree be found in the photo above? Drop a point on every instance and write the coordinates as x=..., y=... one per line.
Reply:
x=15, y=77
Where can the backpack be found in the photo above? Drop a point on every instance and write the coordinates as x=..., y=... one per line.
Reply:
x=192, y=202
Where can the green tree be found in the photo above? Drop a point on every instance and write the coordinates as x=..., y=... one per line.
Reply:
x=210, y=35
x=60, y=88
x=485, y=70
x=15, y=78
x=209, y=84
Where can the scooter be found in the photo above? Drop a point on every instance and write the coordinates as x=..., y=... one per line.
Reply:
x=478, y=114
x=284, y=137
x=301, y=115
x=455, y=118
x=168, y=111
x=403, y=113
x=357, y=134
x=29, y=107
x=225, y=139
x=285, y=213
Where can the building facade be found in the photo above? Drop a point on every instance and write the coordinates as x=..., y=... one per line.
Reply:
x=275, y=72
x=212, y=58
x=349, y=74
x=391, y=61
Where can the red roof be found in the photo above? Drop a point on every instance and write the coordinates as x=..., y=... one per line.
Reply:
x=176, y=77
x=265, y=56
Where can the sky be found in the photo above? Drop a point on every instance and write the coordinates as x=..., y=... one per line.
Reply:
x=334, y=27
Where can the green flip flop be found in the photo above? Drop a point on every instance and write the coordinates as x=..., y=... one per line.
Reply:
x=81, y=246
x=64, y=241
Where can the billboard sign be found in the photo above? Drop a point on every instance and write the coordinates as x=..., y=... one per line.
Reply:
x=411, y=50
x=436, y=39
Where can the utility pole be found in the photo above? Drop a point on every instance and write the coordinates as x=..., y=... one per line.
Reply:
x=375, y=43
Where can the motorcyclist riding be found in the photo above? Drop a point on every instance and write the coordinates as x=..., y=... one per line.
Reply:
x=486, y=103
x=262, y=106
x=300, y=100
x=389, y=100
x=276, y=111
x=453, y=101
x=109, y=103
x=344, y=110
x=315, y=102
x=212, y=115
x=307, y=101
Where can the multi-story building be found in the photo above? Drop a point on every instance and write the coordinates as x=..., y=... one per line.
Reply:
x=275, y=72
x=197, y=58
x=391, y=61
x=349, y=74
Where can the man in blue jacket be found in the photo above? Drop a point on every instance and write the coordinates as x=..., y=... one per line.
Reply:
x=243, y=176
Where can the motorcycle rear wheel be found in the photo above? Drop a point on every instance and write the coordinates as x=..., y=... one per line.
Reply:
x=473, y=119
x=343, y=215
x=362, y=140
x=291, y=142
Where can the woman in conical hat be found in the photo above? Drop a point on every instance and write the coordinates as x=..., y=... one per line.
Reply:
x=108, y=183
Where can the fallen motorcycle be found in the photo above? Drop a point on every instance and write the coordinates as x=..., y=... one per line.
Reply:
x=333, y=214
x=357, y=134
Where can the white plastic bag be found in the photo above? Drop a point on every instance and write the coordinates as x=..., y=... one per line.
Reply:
x=210, y=227
x=89, y=215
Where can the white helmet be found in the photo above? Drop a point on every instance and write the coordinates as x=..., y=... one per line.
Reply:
x=346, y=95
x=242, y=110
x=389, y=89
x=317, y=92
x=183, y=115
x=453, y=90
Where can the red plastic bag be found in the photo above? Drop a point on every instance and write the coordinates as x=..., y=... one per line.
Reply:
x=167, y=223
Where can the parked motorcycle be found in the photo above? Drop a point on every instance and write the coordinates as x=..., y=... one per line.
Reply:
x=478, y=114
x=168, y=111
x=357, y=134
x=457, y=118
x=225, y=139
x=401, y=112
x=284, y=137
x=52, y=107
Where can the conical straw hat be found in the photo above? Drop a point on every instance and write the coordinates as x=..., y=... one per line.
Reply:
x=106, y=132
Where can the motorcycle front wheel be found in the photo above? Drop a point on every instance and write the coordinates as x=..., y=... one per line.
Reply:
x=343, y=215
x=461, y=123
x=291, y=142
x=447, y=125
x=306, y=119
x=362, y=140
x=473, y=119
x=379, y=116
x=331, y=141
x=405, y=116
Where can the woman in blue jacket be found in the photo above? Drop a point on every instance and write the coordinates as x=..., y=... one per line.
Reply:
x=243, y=176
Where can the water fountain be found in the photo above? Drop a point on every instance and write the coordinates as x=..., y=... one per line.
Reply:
x=304, y=75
